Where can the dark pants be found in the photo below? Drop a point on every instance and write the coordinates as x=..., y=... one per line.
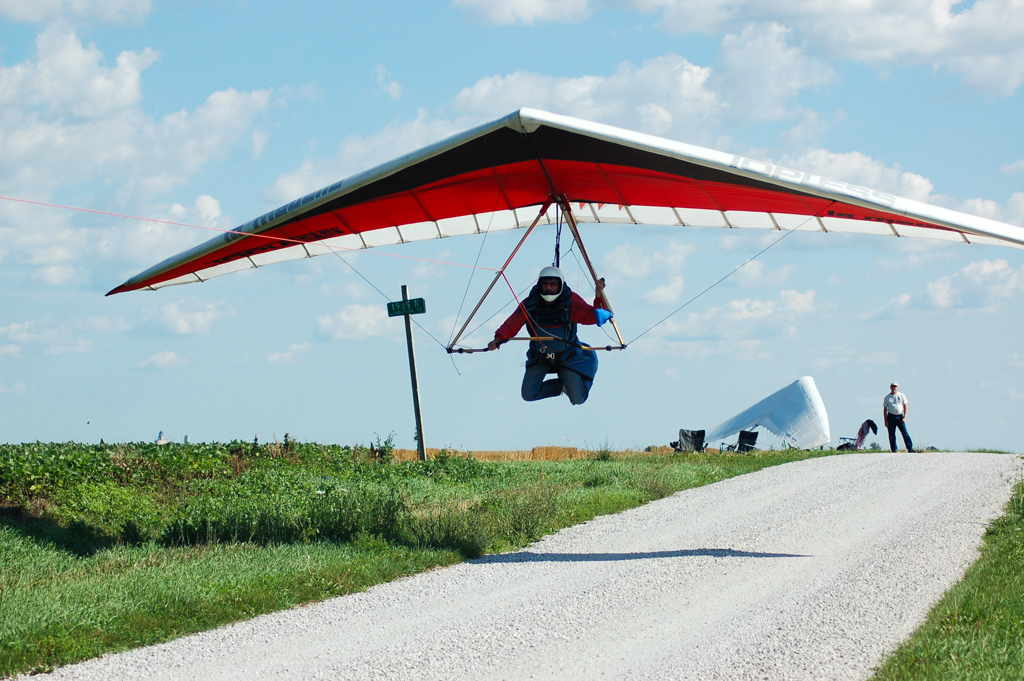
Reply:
x=576, y=387
x=892, y=422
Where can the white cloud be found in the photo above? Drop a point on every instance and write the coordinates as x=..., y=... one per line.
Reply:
x=69, y=118
x=52, y=337
x=983, y=41
x=69, y=346
x=55, y=253
x=113, y=11
x=982, y=285
x=355, y=322
x=796, y=303
x=25, y=333
x=361, y=153
x=526, y=11
x=294, y=352
x=665, y=95
x=666, y=294
x=759, y=73
x=45, y=244
x=104, y=324
x=167, y=359
x=894, y=309
x=747, y=318
x=828, y=356
x=1015, y=209
x=860, y=169
x=54, y=275
x=1015, y=168
x=16, y=389
x=754, y=273
x=734, y=349
x=636, y=262
x=259, y=142
x=189, y=318
x=387, y=85
x=69, y=79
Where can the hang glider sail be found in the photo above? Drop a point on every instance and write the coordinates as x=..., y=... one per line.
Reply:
x=796, y=414
x=521, y=170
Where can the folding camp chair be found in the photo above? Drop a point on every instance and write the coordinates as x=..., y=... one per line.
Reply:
x=747, y=440
x=745, y=443
x=689, y=441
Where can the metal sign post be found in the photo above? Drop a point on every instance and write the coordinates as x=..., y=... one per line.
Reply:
x=405, y=308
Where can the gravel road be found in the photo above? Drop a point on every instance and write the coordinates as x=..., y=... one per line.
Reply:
x=810, y=570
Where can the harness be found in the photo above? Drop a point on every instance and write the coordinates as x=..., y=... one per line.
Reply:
x=551, y=319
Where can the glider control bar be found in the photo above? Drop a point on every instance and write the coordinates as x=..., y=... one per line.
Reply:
x=581, y=346
x=563, y=205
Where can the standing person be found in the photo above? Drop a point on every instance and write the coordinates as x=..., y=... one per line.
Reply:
x=894, y=410
x=552, y=311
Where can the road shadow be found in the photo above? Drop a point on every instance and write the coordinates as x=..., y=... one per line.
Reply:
x=535, y=557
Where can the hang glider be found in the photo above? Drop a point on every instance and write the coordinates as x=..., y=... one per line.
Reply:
x=796, y=414
x=523, y=169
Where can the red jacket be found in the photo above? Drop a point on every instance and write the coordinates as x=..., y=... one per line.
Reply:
x=580, y=312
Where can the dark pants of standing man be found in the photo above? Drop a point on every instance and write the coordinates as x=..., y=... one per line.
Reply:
x=892, y=422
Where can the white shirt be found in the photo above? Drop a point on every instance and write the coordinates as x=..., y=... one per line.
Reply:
x=894, y=403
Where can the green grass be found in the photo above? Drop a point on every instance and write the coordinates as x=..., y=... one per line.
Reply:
x=977, y=630
x=109, y=547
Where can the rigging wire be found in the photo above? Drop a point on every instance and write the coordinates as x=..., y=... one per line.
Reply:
x=515, y=299
x=335, y=250
x=248, y=235
x=479, y=253
x=558, y=237
x=734, y=271
x=384, y=295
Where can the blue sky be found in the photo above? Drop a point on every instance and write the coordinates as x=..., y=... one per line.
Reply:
x=213, y=113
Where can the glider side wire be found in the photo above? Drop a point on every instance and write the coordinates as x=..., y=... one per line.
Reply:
x=515, y=299
x=501, y=179
x=783, y=235
x=107, y=213
x=221, y=230
x=500, y=274
x=734, y=271
x=383, y=295
x=336, y=250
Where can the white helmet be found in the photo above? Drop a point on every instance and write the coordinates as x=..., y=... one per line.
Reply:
x=551, y=273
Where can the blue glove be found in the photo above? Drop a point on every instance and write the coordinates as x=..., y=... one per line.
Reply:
x=601, y=315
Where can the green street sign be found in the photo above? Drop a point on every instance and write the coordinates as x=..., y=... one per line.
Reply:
x=404, y=307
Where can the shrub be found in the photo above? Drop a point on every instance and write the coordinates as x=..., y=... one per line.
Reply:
x=453, y=527
x=110, y=511
x=290, y=513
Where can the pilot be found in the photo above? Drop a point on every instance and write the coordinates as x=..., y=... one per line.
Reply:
x=552, y=312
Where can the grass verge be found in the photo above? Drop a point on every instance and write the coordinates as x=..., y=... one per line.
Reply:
x=977, y=630
x=105, y=548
